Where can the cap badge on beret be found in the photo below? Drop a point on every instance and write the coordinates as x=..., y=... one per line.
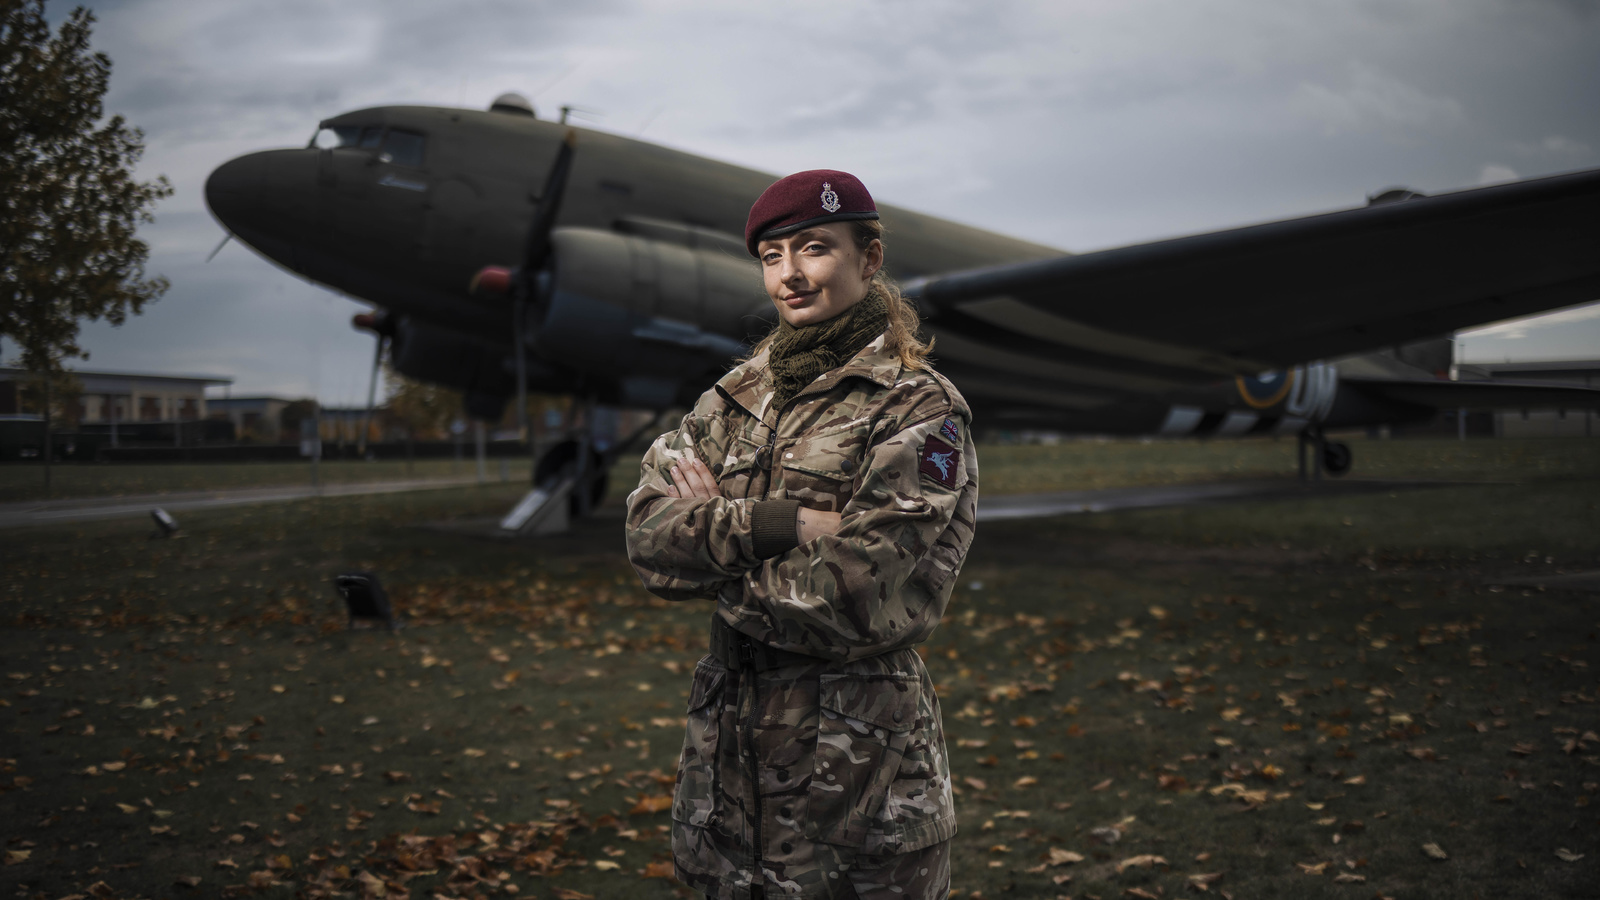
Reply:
x=830, y=200
x=789, y=205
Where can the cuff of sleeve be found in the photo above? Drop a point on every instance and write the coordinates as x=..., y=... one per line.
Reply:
x=774, y=527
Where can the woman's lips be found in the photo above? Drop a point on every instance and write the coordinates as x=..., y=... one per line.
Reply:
x=799, y=298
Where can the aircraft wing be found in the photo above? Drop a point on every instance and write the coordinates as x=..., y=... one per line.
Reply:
x=1195, y=309
x=1478, y=394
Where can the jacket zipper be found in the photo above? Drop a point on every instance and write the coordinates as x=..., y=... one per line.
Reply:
x=757, y=878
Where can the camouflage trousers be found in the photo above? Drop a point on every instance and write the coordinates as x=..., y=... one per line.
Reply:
x=919, y=875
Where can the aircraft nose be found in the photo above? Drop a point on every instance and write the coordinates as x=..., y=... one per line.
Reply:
x=232, y=187
x=266, y=199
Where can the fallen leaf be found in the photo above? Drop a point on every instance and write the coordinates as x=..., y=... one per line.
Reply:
x=1061, y=879
x=1434, y=851
x=1566, y=855
x=1203, y=881
x=977, y=784
x=1102, y=785
x=1060, y=857
x=1314, y=868
x=1106, y=834
x=1356, y=779
x=188, y=880
x=474, y=752
x=1141, y=893
x=14, y=857
x=562, y=893
x=660, y=869
x=116, y=766
x=606, y=865
x=1349, y=878
x=1143, y=860
x=1025, y=781
x=650, y=804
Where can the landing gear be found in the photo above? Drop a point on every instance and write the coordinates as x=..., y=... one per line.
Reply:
x=561, y=462
x=1333, y=457
x=1336, y=457
x=570, y=479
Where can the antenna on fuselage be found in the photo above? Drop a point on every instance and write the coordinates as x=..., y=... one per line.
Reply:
x=569, y=111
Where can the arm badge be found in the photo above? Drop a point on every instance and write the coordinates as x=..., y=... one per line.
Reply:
x=939, y=461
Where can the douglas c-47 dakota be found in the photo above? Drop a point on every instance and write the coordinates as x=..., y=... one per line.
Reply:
x=507, y=253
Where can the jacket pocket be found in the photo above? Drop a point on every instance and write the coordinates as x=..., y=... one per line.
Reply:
x=820, y=470
x=864, y=725
x=694, y=797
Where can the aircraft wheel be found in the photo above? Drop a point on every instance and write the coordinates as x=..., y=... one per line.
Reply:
x=562, y=459
x=1336, y=458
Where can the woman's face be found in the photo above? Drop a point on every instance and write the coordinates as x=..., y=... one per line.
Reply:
x=816, y=274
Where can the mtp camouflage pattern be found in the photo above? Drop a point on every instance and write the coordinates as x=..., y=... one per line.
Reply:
x=830, y=765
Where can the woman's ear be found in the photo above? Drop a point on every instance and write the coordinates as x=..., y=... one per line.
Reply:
x=871, y=259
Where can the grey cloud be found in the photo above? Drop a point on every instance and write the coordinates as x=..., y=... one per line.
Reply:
x=1078, y=125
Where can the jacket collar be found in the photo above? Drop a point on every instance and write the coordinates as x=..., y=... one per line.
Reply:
x=749, y=384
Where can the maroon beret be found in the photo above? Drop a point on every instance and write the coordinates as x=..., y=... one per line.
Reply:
x=805, y=199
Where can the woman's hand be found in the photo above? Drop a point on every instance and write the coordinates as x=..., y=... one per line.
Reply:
x=813, y=524
x=691, y=479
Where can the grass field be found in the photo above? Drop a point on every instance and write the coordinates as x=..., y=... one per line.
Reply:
x=1072, y=465
x=1310, y=699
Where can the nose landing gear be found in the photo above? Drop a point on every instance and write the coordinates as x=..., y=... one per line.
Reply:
x=1333, y=457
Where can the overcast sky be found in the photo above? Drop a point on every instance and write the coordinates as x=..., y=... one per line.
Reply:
x=1077, y=124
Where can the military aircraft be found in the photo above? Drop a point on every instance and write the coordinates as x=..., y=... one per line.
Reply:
x=508, y=253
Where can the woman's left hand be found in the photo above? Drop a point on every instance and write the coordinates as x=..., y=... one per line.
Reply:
x=692, y=479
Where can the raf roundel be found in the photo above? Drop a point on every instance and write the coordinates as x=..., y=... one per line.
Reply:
x=805, y=199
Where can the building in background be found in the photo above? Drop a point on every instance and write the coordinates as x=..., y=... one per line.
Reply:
x=1543, y=422
x=258, y=419
x=123, y=396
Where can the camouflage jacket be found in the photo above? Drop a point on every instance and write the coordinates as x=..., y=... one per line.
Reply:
x=798, y=769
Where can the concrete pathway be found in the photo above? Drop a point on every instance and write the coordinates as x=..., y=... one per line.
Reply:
x=1033, y=506
x=86, y=509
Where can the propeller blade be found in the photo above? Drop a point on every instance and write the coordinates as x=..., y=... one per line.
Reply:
x=372, y=395
x=544, y=215
x=225, y=239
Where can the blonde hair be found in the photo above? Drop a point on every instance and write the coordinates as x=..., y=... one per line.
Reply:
x=905, y=323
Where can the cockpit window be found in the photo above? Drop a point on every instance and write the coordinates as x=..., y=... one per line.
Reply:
x=400, y=147
x=335, y=136
x=403, y=148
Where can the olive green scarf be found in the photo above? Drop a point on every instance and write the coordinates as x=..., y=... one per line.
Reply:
x=797, y=356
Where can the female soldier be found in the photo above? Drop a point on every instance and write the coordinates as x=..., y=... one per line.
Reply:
x=823, y=494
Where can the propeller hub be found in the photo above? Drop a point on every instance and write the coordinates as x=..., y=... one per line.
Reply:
x=492, y=280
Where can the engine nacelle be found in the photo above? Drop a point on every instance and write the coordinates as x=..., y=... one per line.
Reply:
x=613, y=303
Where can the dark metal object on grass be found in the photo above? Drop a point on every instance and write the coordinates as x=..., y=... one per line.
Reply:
x=167, y=525
x=365, y=598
